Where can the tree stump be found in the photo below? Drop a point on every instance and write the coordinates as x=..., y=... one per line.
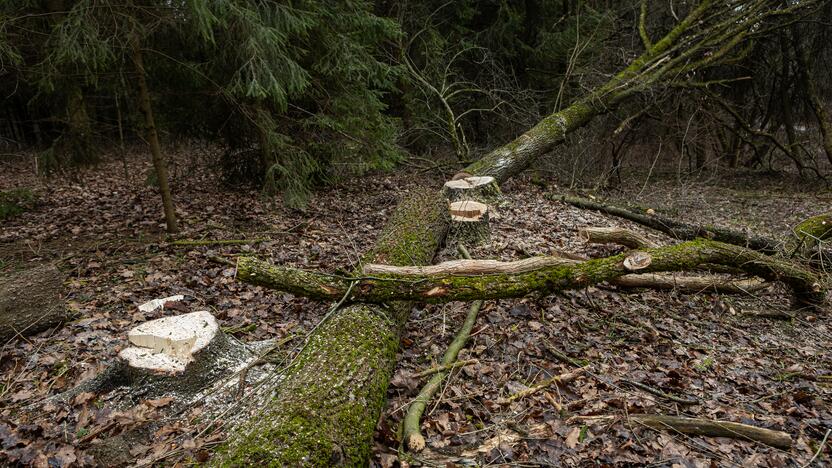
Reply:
x=182, y=354
x=481, y=189
x=469, y=222
x=31, y=301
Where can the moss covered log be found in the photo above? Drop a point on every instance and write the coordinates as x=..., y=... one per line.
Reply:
x=810, y=239
x=553, y=276
x=327, y=406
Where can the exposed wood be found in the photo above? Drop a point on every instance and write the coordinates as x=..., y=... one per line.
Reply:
x=694, y=284
x=482, y=189
x=31, y=301
x=557, y=275
x=690, y=284
x=468, y=209
x=637, y=261
x=704, y=427
x=469, y=222
x=615, y=235
x=469, y=267
x=676, y=229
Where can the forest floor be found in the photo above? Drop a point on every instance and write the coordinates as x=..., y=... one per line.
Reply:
x=104, y=229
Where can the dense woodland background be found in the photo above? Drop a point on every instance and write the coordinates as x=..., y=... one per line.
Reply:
x=300, y=94
x=315, y=134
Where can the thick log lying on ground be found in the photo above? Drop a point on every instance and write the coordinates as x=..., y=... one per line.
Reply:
x=328, y=404
x=463, y=286
x=614, y=235
x=31, y=301
x=677, y=229
x=705, y=427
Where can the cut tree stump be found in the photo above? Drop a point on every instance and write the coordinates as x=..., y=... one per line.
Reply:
x=469, y=222
x=31, y=301
x=482, y=189
x=182, y=353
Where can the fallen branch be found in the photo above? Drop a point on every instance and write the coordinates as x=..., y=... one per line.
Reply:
x=614, y=235
x=674, y=228
x=659, y=393
x=199, y=243
x=556, y=275
x=558, y=379
x=445, y=367
x=690, y=284
x=704, y=427
x=412, y=435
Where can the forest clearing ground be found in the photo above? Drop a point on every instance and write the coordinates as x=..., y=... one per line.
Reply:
x=107, y=233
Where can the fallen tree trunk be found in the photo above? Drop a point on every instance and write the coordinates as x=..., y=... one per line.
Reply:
x=677, y=229
x=328, y=404
x=690, y=284
x=614, y=235
x=705, y=427
x=31, y=301
x=508, y=280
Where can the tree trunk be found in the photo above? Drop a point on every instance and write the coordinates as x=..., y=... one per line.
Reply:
x=159, y=163
x=30, y=302
x=821, y=113
x=325, y=411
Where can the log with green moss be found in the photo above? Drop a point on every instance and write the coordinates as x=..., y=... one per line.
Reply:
x=810, y=237
x=507, y=279
x=327, y=406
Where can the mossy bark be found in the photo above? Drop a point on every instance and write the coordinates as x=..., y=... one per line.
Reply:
x=440, y=288
x=327, y=406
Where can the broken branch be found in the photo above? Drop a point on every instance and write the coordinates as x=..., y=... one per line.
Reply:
x=705, y=427
x=556, y=275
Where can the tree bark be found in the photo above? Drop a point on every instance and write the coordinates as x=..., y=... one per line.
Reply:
x=326, y=409
x=509, y=281
x=153, y=137
x=30, y=302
